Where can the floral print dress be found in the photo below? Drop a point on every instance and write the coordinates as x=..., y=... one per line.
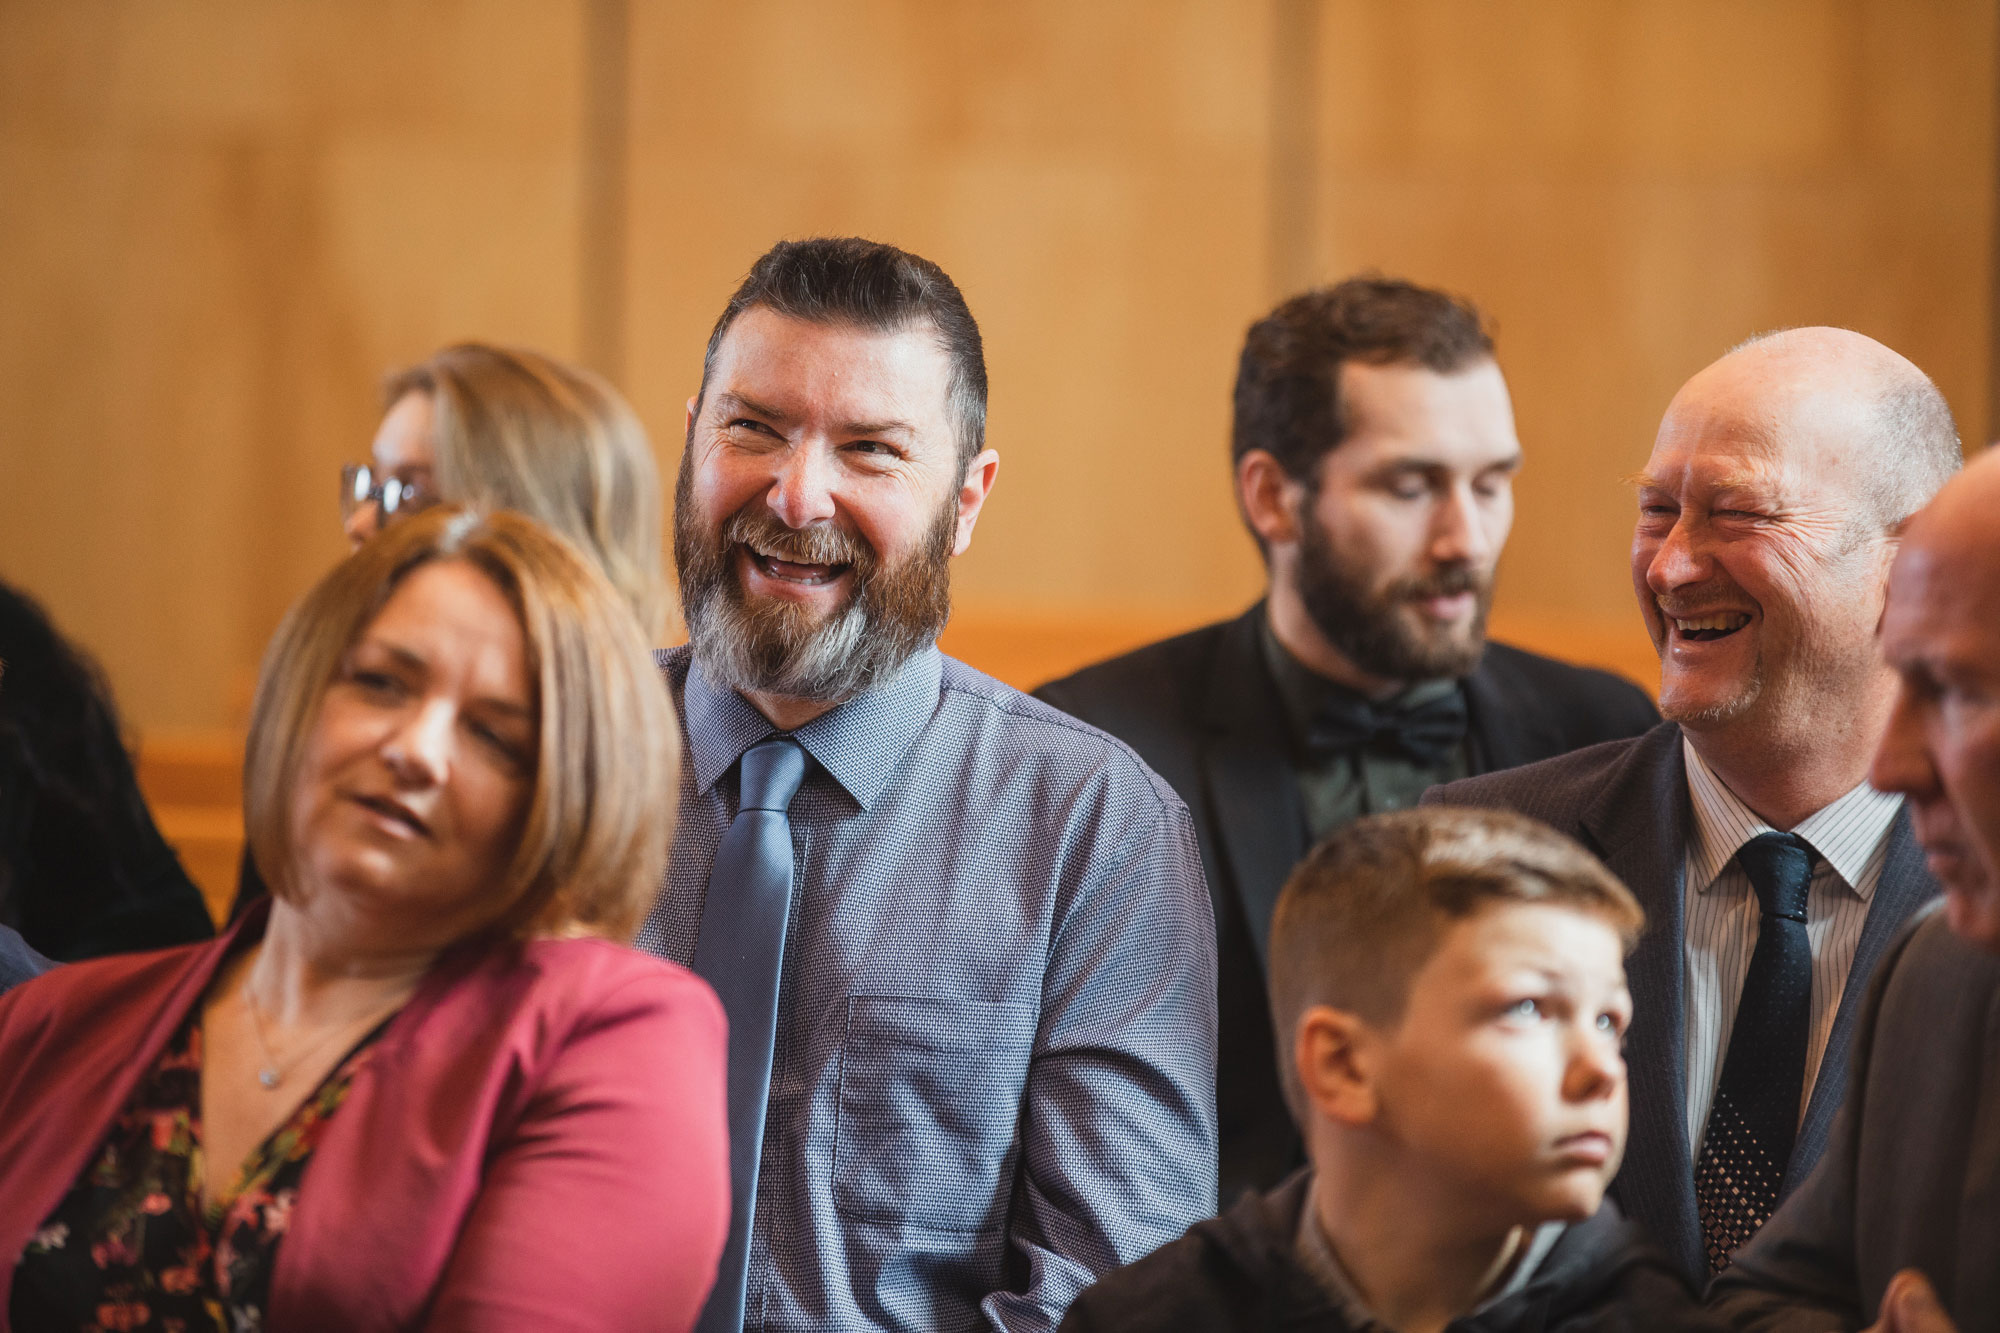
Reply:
x=132, y=1248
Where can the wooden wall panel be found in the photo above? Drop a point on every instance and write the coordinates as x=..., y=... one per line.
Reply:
x=221, y=221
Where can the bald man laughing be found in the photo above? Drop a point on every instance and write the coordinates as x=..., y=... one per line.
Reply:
x=1772, y=874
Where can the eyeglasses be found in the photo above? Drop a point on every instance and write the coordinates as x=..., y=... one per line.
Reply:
x=390, y=495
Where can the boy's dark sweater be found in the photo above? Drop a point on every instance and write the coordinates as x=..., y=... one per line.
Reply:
x=1239, y=1272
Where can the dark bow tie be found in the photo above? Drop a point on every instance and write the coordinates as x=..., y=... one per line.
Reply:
x=1427, y=734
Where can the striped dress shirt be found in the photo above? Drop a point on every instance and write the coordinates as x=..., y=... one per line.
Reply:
x=1851, y=836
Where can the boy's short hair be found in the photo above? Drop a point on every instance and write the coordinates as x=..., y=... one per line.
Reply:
x=1365, y=910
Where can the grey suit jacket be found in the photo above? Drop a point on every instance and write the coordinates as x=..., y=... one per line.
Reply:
x=1911, y=1178
x=1627, y=801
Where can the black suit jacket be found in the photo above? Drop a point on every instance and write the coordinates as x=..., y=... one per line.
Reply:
x=1202, y=710
x=1628, y=802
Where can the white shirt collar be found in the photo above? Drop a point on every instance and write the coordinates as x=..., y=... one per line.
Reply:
x=1846, y=833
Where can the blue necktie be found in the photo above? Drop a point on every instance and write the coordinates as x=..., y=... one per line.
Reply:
x=741, y=950
x=1756, y=1111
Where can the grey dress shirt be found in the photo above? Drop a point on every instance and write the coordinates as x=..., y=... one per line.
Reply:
x=994, y=1075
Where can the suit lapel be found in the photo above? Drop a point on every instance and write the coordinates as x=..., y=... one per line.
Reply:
x=1507, y=726
x=1905, y=886
x=1639, y=824
x=1258, y=820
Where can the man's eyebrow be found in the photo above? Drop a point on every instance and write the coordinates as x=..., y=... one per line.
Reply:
x=877, y=428
x=1735, y=481
x=729, y=401
x=1427, y=463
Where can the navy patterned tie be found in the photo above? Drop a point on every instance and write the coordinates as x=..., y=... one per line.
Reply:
x=740, y=952
x=1756, y=1112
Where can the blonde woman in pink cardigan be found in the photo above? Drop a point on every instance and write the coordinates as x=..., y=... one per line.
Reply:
x=427, y=1087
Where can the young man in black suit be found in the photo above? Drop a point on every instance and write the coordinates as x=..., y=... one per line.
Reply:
x=1375, y=455
x=1773, y=874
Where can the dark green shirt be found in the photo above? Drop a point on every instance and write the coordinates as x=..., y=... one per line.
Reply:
x=1336, y=789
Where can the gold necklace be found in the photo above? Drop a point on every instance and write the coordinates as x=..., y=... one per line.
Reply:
x=268, y=1073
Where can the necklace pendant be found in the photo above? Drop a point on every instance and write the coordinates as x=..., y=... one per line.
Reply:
x=268, y=1076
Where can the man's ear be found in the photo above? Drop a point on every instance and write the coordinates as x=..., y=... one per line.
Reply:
x=1268, y=497
x=972, y=493
x=688, y=425
x=1337, y=1056
x=1885, y=564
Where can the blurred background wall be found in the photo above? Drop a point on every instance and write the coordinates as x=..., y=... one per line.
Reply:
x=221, y=221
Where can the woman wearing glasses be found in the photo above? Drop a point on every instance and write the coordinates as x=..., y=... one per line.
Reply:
x=497, y=428
x=504, y=428
x=423, y=1086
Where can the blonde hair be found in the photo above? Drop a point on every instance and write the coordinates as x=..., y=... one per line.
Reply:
x=1365, y=910
x=605, y=787
x=518, y=430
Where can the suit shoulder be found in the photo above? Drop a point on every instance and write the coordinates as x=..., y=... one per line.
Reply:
x=1158, y=680
x=1592, y=699
x=1554, y=791
x=1936, y=966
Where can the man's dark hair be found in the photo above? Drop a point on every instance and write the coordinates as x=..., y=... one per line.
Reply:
x=848, y=280
x=1288, y=381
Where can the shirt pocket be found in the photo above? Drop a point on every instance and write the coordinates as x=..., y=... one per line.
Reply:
x=930, y=1110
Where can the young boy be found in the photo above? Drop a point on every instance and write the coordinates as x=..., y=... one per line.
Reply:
x=1449, y=989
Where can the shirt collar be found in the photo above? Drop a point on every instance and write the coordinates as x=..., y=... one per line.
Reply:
x=859, y=743
x=1314, y=1253
x=1846, y=833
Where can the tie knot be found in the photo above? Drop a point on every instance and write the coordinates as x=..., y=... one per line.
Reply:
x=772, y=772
x=1780, y=867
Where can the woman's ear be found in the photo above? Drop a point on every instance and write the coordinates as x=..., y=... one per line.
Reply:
x=1337, y=1058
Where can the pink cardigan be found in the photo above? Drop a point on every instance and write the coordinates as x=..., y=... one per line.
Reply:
x=539, y=1143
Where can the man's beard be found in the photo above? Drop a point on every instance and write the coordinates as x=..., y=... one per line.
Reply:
x=1716, y=714
x=787, y=649
x=1366, y=626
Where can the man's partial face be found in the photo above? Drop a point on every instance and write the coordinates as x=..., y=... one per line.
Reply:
x=1398, y=540
x=1941, y=634
x=1755, y=559
x=819, y=502
x=1520, y=1013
